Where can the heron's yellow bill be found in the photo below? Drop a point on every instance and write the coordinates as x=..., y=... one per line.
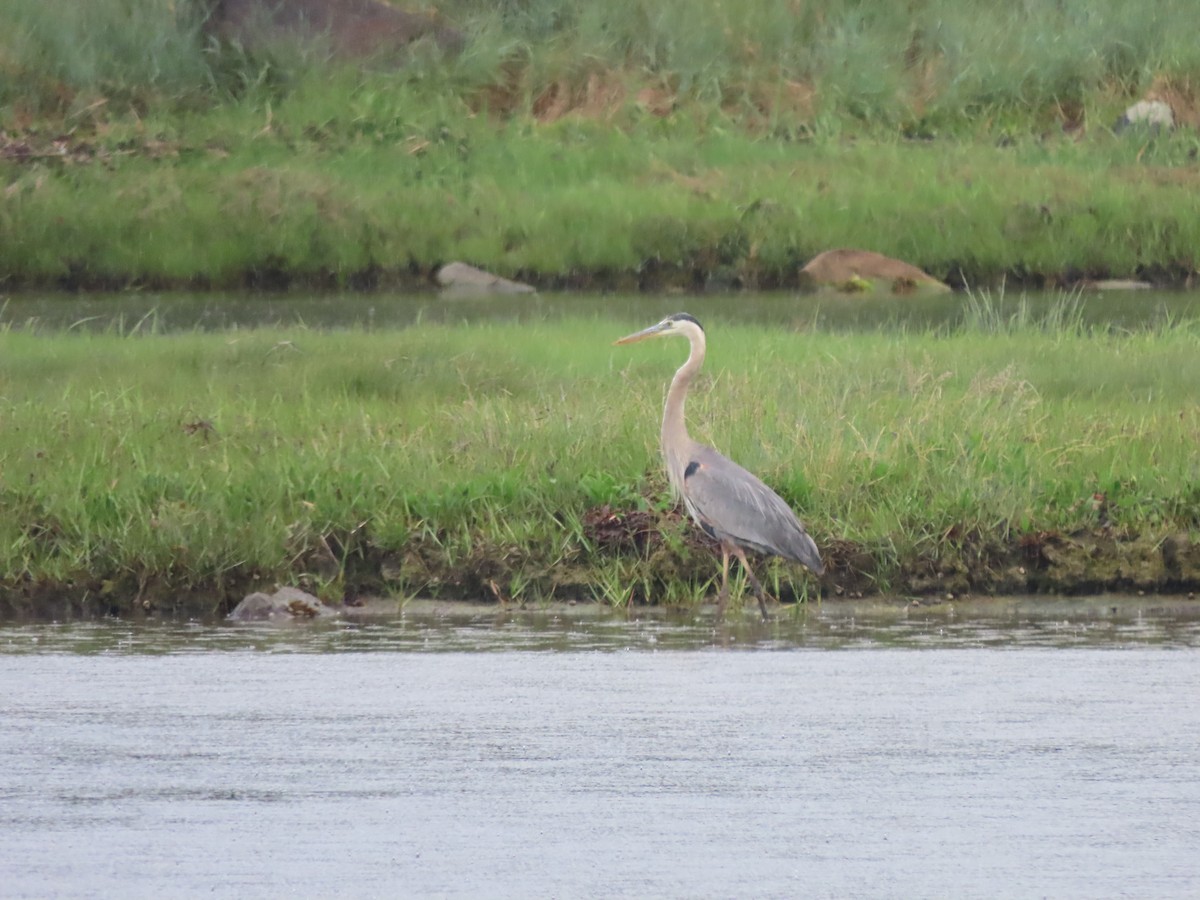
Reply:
x=652, y=331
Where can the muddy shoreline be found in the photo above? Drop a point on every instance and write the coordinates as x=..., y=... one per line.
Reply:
x=1042, y=564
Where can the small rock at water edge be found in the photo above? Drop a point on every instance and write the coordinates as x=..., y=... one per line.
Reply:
x=285, y=603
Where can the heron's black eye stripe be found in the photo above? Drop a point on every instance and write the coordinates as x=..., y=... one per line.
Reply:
x=690, y=470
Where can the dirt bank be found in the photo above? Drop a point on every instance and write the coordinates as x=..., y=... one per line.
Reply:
x=656, y=549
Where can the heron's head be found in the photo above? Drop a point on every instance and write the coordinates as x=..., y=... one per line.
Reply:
x=679, y=324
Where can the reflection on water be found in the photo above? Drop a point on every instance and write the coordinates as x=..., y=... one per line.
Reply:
x=128, y=312
x=459, y=627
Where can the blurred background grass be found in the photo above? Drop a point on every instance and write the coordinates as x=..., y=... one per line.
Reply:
x=920, y=66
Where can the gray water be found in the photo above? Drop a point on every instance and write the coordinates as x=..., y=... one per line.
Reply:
x=1002, y=751
x=182, y=311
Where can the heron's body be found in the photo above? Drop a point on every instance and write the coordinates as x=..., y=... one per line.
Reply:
x=730, y=504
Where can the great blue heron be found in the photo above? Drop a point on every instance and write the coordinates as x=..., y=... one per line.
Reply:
x=728, y=503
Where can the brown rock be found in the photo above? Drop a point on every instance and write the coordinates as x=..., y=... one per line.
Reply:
x=859, y=270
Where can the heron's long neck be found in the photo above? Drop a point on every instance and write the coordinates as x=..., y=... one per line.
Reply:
x=675, y=439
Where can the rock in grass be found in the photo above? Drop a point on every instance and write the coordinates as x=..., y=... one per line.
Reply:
x=1154, y=115
x=285, y=603
x=859, y=271
x=460, y=277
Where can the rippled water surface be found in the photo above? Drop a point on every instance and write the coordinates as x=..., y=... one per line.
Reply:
x=1005, y=749
x=1109, y=622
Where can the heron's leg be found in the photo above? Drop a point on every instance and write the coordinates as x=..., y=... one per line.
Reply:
x=754, y=582
x=723, y=595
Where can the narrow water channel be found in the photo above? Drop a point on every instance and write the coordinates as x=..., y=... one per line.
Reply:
x=134, y=312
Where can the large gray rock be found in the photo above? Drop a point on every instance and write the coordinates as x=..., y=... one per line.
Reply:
x=353, y=29
x=285, y=603
x=458, y=277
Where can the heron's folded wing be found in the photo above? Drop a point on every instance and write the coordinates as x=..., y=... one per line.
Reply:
x=737, y=506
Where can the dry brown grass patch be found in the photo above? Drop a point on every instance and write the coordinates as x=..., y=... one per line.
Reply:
x=1181, y=95
x=601, y=96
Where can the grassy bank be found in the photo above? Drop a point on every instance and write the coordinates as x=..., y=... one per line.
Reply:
x=584, y=206
x=638, y=145
x=521, y=463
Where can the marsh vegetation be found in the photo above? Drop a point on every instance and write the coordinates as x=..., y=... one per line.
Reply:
x=518, y=461
x=631, y=144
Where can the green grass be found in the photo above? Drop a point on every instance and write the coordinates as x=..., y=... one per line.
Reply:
x=473, y=455
x=629, y=144
x=935, y=61
x=102, y=59
x=577, y=200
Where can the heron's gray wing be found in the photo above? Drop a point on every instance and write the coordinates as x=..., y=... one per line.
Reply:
x=732, y=504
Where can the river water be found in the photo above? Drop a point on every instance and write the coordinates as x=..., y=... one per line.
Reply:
x=1007, y=750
